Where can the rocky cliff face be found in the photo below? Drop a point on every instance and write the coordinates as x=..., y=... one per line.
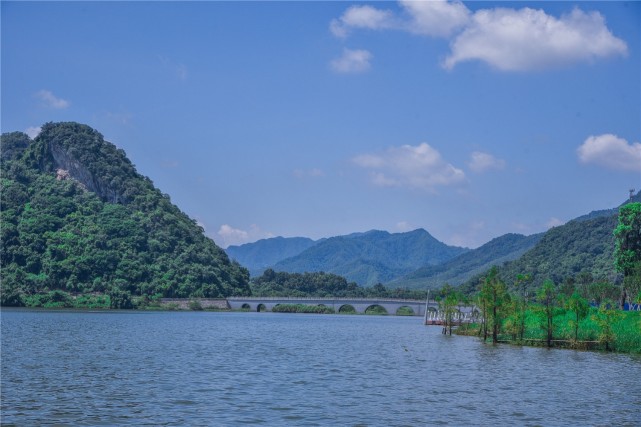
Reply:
x=65, y=161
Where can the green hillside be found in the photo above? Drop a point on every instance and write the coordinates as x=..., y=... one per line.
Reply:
x=260, y=255
x=577, y=249
x=371, y=257
x=465, y=266
x=77, y=217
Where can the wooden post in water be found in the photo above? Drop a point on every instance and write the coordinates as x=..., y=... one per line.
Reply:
x=427, y=302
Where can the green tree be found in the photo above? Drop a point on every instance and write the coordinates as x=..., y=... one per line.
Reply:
x=521, y=303
x=579, y=306
x=605, y=319
x=448, y=305
x=494, y=297
x=120, y=299
x=547, y=297
x=627, y=252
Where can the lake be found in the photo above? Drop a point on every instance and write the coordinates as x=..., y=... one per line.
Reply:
x=208, y=368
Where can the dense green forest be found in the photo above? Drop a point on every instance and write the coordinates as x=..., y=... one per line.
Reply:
x=371, y=257
x=469, y=264
x=78, y=219
x=579, y=253
x=321, y=284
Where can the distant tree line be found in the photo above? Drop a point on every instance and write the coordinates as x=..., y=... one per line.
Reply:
x=320, y=284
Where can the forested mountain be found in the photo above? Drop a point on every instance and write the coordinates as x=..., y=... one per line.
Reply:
x=578, y=248
x=76, y=216
x=465, y=266
x=260, y=255
x=580, y=251
x=372, y=257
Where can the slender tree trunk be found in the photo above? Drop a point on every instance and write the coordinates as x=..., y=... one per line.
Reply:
x=549, y=331
x=495, y=326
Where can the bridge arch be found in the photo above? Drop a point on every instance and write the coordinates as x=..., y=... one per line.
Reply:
x=261, y=307
x=246, y=307
x=376, y=309
x=405, y=310
x=346, y=309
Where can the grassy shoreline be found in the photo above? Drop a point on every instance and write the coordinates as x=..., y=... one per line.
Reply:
x=621, y=333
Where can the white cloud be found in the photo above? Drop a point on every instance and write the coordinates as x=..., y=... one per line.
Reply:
x=33, y=131
x=528, y=39
x=180, y=70
x=313, y=173
x=403, y=226
x=51, y=101
x=123, y=118
x=409, y=166
x=481, y=162
x=611, y=152
x=435, y=18
x=553, y=222
x=470, y=235
x=352, y=61
x=506, y=39
x=228, y=235
x=364, y=17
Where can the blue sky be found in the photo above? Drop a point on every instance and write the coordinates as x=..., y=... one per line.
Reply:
x=316, y=119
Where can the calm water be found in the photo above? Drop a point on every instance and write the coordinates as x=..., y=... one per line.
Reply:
x=117, y=368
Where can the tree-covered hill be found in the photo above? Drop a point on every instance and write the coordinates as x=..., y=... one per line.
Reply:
x=580, y=251
x=577, y=249
x=260, y=255
x=465, y=266
x=77, y=217
x=371, y=257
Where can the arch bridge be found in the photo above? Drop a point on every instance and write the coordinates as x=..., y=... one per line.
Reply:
x=340, y=305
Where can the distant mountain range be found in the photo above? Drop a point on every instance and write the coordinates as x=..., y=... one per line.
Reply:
x=365, y=258
x=416, y=260
x=460, y=269
x=372, y=257
x=260, y=255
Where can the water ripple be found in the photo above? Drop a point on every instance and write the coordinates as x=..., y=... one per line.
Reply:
x=132, y=368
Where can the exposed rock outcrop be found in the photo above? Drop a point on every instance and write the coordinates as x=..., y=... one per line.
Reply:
x=63, y=160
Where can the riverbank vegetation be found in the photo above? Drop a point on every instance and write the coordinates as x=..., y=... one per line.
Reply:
x=554, y=317
x=302, y=308
x=603, y=328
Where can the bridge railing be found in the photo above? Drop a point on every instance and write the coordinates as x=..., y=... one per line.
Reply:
x=413, y=301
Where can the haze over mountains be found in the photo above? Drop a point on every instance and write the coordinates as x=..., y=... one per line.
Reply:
x=416, y=260
x=412, y=259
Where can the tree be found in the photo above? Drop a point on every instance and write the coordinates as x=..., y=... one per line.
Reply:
x=448, y=305
x=547, y=295
x=579, y=306
x=521, y=304
x=627, y=252
x=493, y=297
x=605, y=318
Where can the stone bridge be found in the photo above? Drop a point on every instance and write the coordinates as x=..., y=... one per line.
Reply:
x=359, y=305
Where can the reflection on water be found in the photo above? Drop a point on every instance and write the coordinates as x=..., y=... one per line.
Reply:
x=199, y=368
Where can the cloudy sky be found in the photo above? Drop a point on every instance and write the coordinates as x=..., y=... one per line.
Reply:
x=317, y=119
